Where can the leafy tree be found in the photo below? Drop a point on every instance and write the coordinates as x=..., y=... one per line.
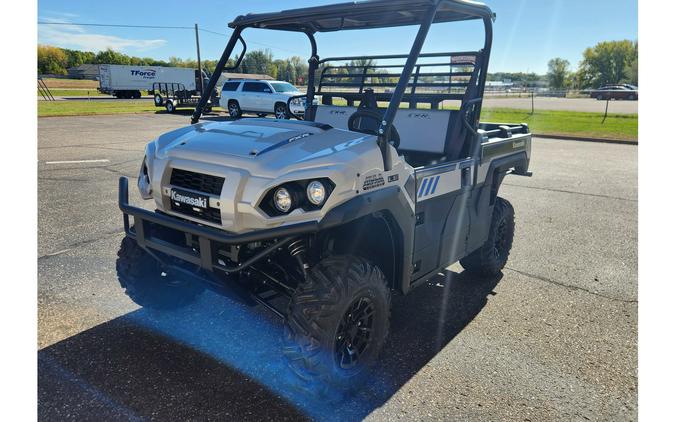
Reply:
x=258, y=61
x=558, y=73
x=51, y=60
x=110, y=56
x=609, y=62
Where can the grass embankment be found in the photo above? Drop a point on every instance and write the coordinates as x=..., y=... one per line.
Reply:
x=569, y=123
x=70, y=83
x=581, y=124
x=84, y=108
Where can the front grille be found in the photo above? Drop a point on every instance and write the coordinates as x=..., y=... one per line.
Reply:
x=209, y=214
x=197, y=181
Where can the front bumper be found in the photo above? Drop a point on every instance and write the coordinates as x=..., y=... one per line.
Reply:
x=146, y=224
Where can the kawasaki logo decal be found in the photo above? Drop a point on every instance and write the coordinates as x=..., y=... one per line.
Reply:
x=189, y=200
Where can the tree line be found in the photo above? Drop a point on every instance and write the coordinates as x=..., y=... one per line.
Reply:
x=56, y=61
x=608, y=62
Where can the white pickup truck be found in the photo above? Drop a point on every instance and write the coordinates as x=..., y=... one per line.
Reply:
x=260, y=97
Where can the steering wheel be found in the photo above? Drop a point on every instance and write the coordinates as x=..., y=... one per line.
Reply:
x=364, y=113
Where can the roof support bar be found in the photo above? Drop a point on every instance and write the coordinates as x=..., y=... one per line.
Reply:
x=390, y=114
x=206, y=95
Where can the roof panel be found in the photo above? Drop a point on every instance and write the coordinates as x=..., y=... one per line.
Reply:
x=363, y=15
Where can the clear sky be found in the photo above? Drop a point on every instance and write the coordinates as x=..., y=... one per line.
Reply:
x=527, y=33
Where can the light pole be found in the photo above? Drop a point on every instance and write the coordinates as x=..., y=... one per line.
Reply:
x=199, y=63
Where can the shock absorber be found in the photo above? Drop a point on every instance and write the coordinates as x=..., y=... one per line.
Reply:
x=298, y=250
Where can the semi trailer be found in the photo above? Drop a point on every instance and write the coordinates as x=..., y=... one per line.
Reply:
x=124, y=81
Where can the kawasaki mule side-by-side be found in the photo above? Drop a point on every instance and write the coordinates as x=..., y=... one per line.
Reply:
x=320, y=219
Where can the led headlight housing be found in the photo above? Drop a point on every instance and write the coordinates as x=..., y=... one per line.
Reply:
x=307, y=195
x=144, y=185
x=316, y=192
x=283, y=200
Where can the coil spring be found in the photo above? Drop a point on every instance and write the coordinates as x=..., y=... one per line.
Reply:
x=297, y=247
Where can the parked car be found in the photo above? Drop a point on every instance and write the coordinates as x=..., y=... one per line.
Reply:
x=615, y=92
x=261, y=98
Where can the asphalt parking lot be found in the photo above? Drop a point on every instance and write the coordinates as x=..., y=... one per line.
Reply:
x=553, y=338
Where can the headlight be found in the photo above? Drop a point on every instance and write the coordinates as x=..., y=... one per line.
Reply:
x=297, y=101
x=283, y=200
x=144, y=185
x=316, y=192
x=306, y=195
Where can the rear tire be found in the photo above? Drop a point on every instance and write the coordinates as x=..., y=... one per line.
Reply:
x=233, y=109
x=141, y=277
x=336, y=325
x=159, y=101
x=491, y=258
x=170, y=107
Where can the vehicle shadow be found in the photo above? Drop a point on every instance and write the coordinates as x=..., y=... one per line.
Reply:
x=218, y=359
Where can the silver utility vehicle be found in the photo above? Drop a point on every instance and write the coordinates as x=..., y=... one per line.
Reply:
x=320, y=219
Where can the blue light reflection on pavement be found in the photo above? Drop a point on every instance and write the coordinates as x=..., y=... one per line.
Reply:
x=249, y=340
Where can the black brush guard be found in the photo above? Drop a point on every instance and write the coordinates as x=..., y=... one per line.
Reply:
x=207, y=237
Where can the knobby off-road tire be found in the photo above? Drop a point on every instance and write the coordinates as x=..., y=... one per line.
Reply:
x=141, y=277
x=490, y=258
x=325, y=314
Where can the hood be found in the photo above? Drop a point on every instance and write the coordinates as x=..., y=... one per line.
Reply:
x=266, y=142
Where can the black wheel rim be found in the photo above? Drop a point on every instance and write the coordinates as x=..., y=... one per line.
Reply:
x=500, y=240
x=354, y=334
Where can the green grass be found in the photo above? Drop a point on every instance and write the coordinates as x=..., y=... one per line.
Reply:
x=82, y=108
x=616, y=126
x=570, y=123
x=72, y=92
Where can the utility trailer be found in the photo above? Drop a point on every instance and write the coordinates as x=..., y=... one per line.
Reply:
x=123, y=81
x=171, y=96
x=321, y=220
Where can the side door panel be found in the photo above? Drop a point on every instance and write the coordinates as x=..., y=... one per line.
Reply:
x=442, y=219
x=248, y=98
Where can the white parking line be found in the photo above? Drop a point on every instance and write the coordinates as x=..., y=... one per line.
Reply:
x=77, y=162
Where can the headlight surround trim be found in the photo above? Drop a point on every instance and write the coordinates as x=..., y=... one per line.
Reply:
x=297, y=190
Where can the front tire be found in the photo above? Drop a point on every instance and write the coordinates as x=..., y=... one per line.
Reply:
x=280, y=111
x=147, y=285
x=337, y=323
x=491, y=258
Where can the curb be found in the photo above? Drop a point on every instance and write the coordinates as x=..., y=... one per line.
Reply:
x=586, y=139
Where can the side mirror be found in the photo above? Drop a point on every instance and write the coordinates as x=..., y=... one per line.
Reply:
x=267, y=91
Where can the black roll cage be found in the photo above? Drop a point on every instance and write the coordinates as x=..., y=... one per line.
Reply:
x=372, y=15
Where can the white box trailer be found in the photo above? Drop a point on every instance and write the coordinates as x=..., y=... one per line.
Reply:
x=124, y=81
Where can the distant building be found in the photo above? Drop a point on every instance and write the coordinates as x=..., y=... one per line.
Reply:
x=84, y=71
x=498, y=85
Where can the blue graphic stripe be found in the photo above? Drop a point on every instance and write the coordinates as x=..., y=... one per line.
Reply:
x=431, y=182
x=433, y=189
x=424, y=183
